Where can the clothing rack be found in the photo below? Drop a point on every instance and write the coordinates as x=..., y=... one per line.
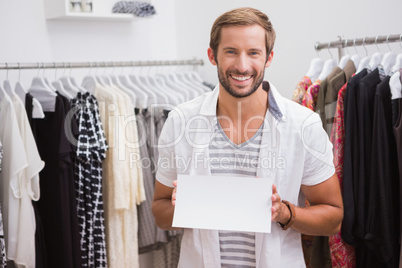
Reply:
x=342, y=43
x=97, y=64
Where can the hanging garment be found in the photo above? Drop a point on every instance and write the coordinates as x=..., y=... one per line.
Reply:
x=310, y=98
x=90, y=151
x=13, y=164
x=382, y=181
x=40, y=244
x=29, y=189
x=320, y=107
x=331, y=94
x=301, y=89
x=351, y=159
x=122, y=187
x=168, y=255
x=57, y=206
x=398, y=137
x=342, y=254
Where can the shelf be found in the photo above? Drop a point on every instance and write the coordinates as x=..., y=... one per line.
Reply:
x=59, y=10
x=93, y=17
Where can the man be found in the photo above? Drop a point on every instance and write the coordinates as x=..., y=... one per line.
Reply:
x=247, y=118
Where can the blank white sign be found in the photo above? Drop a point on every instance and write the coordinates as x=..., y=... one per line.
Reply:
x=223, y=203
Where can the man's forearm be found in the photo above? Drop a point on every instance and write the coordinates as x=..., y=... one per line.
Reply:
x=163, y=210
x=316, y=220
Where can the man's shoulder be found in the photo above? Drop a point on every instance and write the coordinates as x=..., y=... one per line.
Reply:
x=189, y=108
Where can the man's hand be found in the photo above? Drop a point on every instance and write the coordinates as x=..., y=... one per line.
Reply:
x=280, y=212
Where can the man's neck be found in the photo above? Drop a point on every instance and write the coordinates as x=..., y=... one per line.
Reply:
x=240, y=118
x=242, y=108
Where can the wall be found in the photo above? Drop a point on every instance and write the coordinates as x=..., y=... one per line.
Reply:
x=26, y=36
x=298, y=24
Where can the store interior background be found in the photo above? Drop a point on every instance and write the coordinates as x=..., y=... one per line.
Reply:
x=180, y=30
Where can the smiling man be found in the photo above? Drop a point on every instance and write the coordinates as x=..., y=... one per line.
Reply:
x=244, y=122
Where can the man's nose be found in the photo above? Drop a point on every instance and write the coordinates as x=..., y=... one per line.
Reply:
x=242, y=63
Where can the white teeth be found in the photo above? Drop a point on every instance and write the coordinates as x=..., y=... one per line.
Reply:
x=241, y=78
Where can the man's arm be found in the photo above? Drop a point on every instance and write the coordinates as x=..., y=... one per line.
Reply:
x=163, y=205
x=323, y=217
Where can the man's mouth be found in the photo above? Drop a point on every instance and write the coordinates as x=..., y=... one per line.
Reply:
x=240, y=78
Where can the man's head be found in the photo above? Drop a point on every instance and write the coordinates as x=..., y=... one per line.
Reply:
x=242, y=17
x=241, y=47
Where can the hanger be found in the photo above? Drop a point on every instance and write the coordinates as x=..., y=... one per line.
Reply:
x=196, y=78
x=389, y=58
x=58, y=86
x=345, y=58
x=189, y=84
x=364, y=62
x=315, y=68
x=355, y=58
x=3, y=93
x=328, y=65
x=116, y=83
x=89, y=81
x=141, y=96
x=398, y=59
x=7, y=84
x=67, y=84
x=40, y=90
x=21, y=92
x=153, y=97
x=376, y=58
x=174, y=98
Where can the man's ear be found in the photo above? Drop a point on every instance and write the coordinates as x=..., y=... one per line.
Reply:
x=269, y=60
x=211, y=56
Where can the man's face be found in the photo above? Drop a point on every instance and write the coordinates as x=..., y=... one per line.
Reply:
x=241, y=59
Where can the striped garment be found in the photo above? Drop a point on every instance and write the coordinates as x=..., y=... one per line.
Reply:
x=226, y=158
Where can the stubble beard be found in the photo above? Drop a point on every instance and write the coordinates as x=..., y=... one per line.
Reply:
x=224, y=81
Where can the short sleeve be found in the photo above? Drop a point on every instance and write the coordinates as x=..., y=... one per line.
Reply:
x=318, y=157
x=166, y=171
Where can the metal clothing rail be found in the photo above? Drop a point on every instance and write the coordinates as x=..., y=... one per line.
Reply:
x=359, y=41
x=97, y=64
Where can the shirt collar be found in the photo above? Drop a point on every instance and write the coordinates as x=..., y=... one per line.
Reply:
x=275, y=100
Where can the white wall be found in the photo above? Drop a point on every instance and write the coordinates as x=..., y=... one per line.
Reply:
x=298, y=24
x=26, y=36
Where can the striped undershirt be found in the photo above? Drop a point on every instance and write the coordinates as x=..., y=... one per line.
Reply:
x=227, y=158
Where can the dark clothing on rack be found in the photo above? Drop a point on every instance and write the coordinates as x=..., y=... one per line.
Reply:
x=382, y=228
x=89, y=153
x=40, y=244
x=57, y=206
x=351, y=159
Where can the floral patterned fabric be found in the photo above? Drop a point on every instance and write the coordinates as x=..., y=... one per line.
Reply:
x=301, y=89
x=309, y=99
x=342, y=254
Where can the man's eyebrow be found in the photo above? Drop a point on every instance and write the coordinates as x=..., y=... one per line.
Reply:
x=229, y=48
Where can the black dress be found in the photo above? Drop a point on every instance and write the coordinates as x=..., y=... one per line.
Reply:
x=57, y=207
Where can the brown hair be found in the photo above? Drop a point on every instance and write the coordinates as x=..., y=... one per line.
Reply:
x=242, y=17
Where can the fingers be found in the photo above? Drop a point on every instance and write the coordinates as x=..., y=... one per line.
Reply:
x=174, y=193
x=276, y=203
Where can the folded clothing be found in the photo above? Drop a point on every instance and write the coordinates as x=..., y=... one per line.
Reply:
x=140, y=9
